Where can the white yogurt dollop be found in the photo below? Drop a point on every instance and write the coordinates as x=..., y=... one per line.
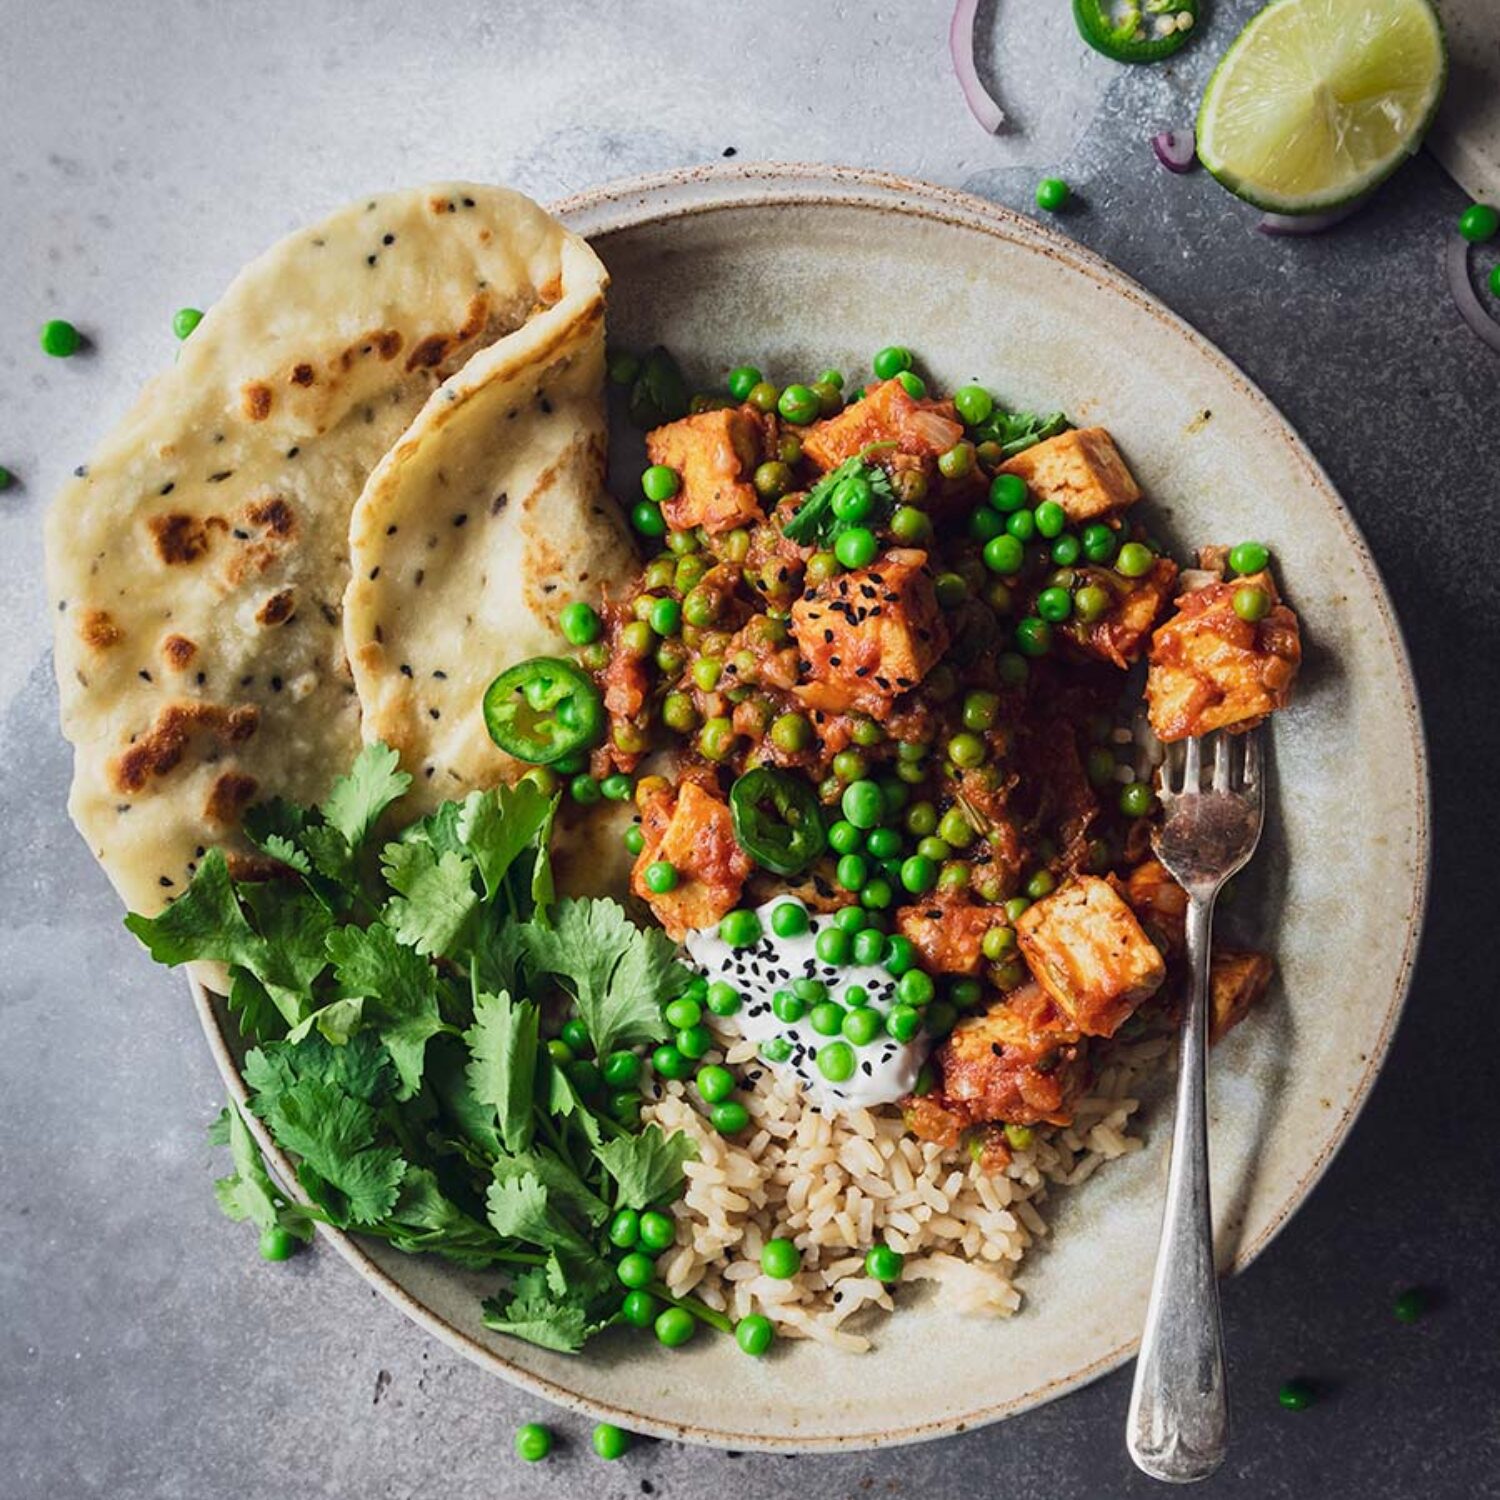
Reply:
x=884, y=1070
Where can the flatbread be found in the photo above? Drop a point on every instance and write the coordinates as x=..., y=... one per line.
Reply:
x=477, y=528
x=197, y=565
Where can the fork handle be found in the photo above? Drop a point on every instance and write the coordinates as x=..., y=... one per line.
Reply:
x=1178, y=1427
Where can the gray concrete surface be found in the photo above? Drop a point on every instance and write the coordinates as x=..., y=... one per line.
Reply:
x=146, y=151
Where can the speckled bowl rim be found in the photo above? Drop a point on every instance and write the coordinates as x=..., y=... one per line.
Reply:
x=659, y=198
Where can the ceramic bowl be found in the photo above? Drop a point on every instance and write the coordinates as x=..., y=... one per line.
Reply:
x=798, y=268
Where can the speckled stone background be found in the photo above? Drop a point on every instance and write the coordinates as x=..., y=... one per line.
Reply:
x=147, y=150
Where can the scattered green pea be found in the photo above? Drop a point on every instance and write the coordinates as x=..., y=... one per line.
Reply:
x=799, y=405
x=1134, y=560
x=780, y=1259
x=659, y=483
x=60, y=338
x=754, y=1334
x=1251, y=604
x=730, y=1117
x=742, y=380
x=533, y=1442
x=973, y=404
x=185, y=320
x=884, y=1264
x=1296, y=1395
x=891, y=361
x=1478, y=223
x=611, y=1442
x=1052, y=194
x=856, y=548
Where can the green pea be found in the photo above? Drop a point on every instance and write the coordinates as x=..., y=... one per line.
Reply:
x=827, y=1019
x=836, y=1061
x=1099, y=765
x=660, y=483
x=674, y=1326
x=830, y=397
x=621, y=1069
x=973, y=404
x=639, y=1308
x=853, y=499
x=580, y=623
x=1033, y=636
x=877, y=894
x=1478, y=223
x=584, y=790
x=884, y=1264
x=1249, y=557
x=1041, y=884
x=902, y=955
x=533, y=1442
x=1066, y=550
x=980, y=711
x=6, y=478
x=715, y=738
x=185, y=320
x=1410, y=1305
x=722, y=998
x=657, y=1229
x=666, y=617
x=742, y=380
x=940, y=1018
x=862, y=1026
x=636, y=1270
x=966, y=750
x=902, y=1022
x=740, y=929
x=911, y=526
x=617, y=787
x=609, y=1441
x=856, y=548
x=1021, y=524
x=1054, y=604
x=1100, y=542
x=919, y=874
x=60, y=338
x=833, y=945
x=810, y=990
x=1136, y=799
x=1091, y=602
x=1015, y=908
x=648, y=519
x=851, y=872
x=915, y=988
x=763, y=396
x=1296, y=1395
x=954, y=876
x=729, y=1117
x=821, y=566
x=845, y=838
x=1008, y=493
x=935, y=849
x=678, y=713
x=884, y=843
x=850, y=765
x=776, y=1049
x=863, y=804
x=957, y=462
x=798, y=404
x=954, y=829
x=985, y=523
x=1005, y=553
x=950, y=589
x=734, y=546
x=774, y=479
x=1052, y=194
x=694, y=1042
x=869, y=948
x=850, y=919
x=787, y=1007
x=684, y=1011
x=1135, y=560
x=1252, y=604
x=544, y=779
x=635, y=839
x=1019, y=1137
x=966, y=993
x=912, y=384
x=780, y=1259
x=706, y=673
x=921, y=819
x=625, y=1229
x=277, y=1243
x=754, y=1334
x=891, y=361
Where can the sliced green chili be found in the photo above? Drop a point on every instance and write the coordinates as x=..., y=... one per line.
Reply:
x=543, y=709
x=777, y=820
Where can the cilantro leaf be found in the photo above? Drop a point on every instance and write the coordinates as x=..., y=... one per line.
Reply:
x=815, y=524
x=332, y=1133
x=646, y=1167
x=540, y=1316
x=1015, y=431
x=447, y=1074
x=436, y=897
x=401, y=988
x=496, y=825
x=564, y=1102
x=618, y=974
x=336, y=1022
x=252, y=1006
x=361, y=1068
x=564, y=1186
x=248, y=1192
x=521, y=1207
x=425, y=1218
x=502, y=1072
x=356, y=801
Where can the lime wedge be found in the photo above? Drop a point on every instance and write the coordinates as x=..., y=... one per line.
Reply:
x=1317, y=101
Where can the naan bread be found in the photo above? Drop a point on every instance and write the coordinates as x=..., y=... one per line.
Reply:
x=197, y=566
x=477, y=528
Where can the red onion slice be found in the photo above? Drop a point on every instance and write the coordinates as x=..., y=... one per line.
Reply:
x=1176, y=150
x=961, y=45
x=1470, y=308
x=1308, y=223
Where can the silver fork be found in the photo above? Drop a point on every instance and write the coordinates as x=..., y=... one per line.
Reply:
x=1178, y=1427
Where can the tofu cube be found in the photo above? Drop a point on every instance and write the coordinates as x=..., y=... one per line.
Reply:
x=1082, y=470
x=1212, y=670
x=1235, y=982
x=869, y=635
x=1088, y=952
x=1014, y=1063
x=948, y=933
x=715, y=454
x=885, y=414
x=692, y=830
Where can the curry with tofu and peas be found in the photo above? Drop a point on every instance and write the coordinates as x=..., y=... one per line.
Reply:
x=885, y=668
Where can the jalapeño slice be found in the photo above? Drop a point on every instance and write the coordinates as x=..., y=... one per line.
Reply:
x=1118, y=29
x=777, y=820
x=543, y=709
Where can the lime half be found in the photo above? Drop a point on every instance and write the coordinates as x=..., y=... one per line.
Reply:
x=1318, y=100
